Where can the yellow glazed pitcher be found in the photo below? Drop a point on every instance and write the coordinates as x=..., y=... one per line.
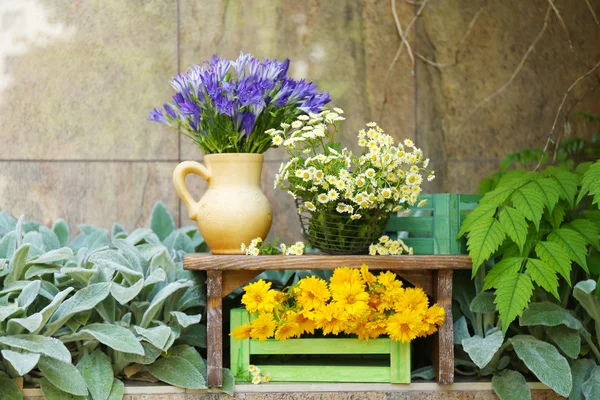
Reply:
x=234, y=209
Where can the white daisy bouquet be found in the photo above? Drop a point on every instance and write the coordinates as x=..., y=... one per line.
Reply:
x=345, y=199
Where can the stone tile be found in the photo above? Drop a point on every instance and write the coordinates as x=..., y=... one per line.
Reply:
x=522, y=115
x=464, y=176
x=344, y=46
x=95, y=193
x=78, y=78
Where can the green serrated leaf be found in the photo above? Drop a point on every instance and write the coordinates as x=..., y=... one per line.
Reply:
x=22, y=362
x=511, y=385
x=63, y=375
x=573, y=243
x=568, y=183
x=590, y=183
x=568, y=340
x=587, y=229
x=481, y=211
x=543, y=275
x=554, y=255
x=506, y=266
x=514, y=225
x=545, y=362
x=557, y=217
x=549, y=314
x=550, y=191
x=96, y=370
x=481, y=350
x=484, y=238
x=530, y=203
x=177, y=371
x=513, y=294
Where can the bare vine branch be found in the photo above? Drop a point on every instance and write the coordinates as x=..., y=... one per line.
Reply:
x=550, y=139
x=592, y=11
x=562, y=22
x=458, y=47
x=515, y=72
x=403, y=36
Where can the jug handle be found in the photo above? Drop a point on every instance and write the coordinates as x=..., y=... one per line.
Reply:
x=179, y=174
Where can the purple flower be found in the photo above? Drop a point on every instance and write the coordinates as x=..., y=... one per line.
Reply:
x=190, y=107
x=170, y=111
x=219, y=66
x=156, y=115
x=248, y=120
x=239, y=64
x=194, y=122
x=249, y=92
x=315, y=103
x=223, y=104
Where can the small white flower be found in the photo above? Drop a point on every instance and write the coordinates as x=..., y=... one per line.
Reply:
x=422, y=203
x=338, y=110
x=277, y=140
x=431, y=177
x=372, y=124
x=255, y=251
x=333, y=195
x=291, y=194
x=256, y=379
x=355, y=216
x=285, y=125
x=303, y=117
x=323, y=198
x=270, y=131
x=309, y=206
x=297, y=124
x=409, y=143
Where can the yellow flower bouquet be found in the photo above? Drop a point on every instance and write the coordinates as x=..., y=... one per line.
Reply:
x=354, y=302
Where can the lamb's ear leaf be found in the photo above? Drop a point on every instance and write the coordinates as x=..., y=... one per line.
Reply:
x=8, y=388
x=545, y=362
x=51, y=392
x=581, y=370
x=161, y=221
x=228, y=382
x=21, y=362
x=61, y=230
x=96, y=369
x=591, y=387
x=482, y=350
x=117, y=390
x=63, y=375
x=511, y=385
x=177, y=371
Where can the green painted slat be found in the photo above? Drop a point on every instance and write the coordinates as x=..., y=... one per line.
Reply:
x=469, y=201
x=320, y=346
x=239, y=349
x=420, y=245
x=399, y=362
x=410, y=224
x=326, y=373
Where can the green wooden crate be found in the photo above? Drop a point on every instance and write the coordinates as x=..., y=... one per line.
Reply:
x=351, y=366
x=433, y=228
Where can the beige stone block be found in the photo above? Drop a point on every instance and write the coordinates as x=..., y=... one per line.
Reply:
x=464, y=176
x=78, y=78
x=95, y=193
x=449, y=123
x=344, y=46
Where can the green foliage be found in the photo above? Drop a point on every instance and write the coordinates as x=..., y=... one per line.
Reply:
x=77, y=316
x=531, y=228
x=511, y=385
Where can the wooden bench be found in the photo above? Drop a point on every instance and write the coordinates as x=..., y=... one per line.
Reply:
x=226, y=273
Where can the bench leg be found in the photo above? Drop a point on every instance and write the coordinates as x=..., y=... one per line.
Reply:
x=444, y=345
x=214, y=340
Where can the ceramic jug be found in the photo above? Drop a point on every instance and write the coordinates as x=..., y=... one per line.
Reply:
x=234, y=209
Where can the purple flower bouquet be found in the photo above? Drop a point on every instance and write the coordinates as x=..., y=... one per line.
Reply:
x=226, y=106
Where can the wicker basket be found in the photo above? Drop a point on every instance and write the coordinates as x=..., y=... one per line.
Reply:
x=335, y=233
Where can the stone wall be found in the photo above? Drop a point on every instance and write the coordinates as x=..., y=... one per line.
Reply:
x=77, y=79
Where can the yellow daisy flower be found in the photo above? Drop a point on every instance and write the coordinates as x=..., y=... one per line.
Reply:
x=263, y=327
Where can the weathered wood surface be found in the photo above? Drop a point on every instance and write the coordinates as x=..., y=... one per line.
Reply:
x=234, y=279
x=422, y=279
x=199, y=261
x=214, y=337
x=444, y=345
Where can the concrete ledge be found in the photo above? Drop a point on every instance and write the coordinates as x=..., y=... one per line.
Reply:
x=337, y=391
